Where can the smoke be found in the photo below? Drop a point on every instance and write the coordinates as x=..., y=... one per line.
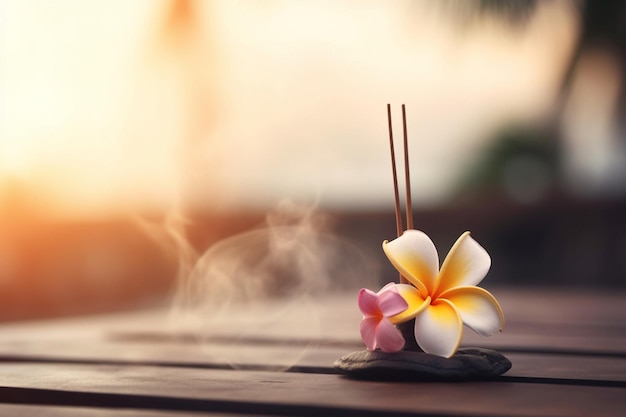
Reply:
x=265, y=296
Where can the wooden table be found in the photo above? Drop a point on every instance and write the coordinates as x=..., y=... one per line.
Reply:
x=568, y=350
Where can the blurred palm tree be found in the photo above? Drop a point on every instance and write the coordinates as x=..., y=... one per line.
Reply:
x=525, y=163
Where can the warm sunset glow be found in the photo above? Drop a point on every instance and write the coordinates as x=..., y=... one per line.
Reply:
x=111, y=106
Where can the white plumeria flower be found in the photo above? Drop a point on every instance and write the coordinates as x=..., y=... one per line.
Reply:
x=442, y=300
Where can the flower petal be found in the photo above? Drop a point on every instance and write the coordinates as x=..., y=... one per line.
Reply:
x=414, y=255
x=438, y=329
x=391, y=303
x=467, y=263
x=368, y=332
x=391, y=286
x=388, y=337
x=479, y=309
x=415, y=303
x=368, y=302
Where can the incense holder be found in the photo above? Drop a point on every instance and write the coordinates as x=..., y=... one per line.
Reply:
x=466, y=364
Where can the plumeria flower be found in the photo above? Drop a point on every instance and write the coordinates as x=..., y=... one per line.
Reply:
x=377, y=330
x=442, y=300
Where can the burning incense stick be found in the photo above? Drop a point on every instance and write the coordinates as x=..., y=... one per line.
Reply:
x=407, y=176
x=399, y=227
x=408, y=208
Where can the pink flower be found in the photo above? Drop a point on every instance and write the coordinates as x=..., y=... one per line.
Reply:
x=377, y=331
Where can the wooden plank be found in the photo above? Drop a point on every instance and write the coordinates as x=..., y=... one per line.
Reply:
x=276, y=393
x=536, y=341
x=541, y=320
x=172, y=347
x=277, y=357
x=570, y=367
x=24, y=410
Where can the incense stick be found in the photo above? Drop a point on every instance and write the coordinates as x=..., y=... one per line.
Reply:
x=396, y=194
x=406, y=328
x=395, y=175
x=407, y=175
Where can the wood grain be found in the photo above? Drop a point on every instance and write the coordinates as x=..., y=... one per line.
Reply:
x=568, y=351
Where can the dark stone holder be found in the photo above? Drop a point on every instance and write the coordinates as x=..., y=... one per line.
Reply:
x=466, y=364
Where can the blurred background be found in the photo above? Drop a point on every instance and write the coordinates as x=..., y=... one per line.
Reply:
x=136, y=134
